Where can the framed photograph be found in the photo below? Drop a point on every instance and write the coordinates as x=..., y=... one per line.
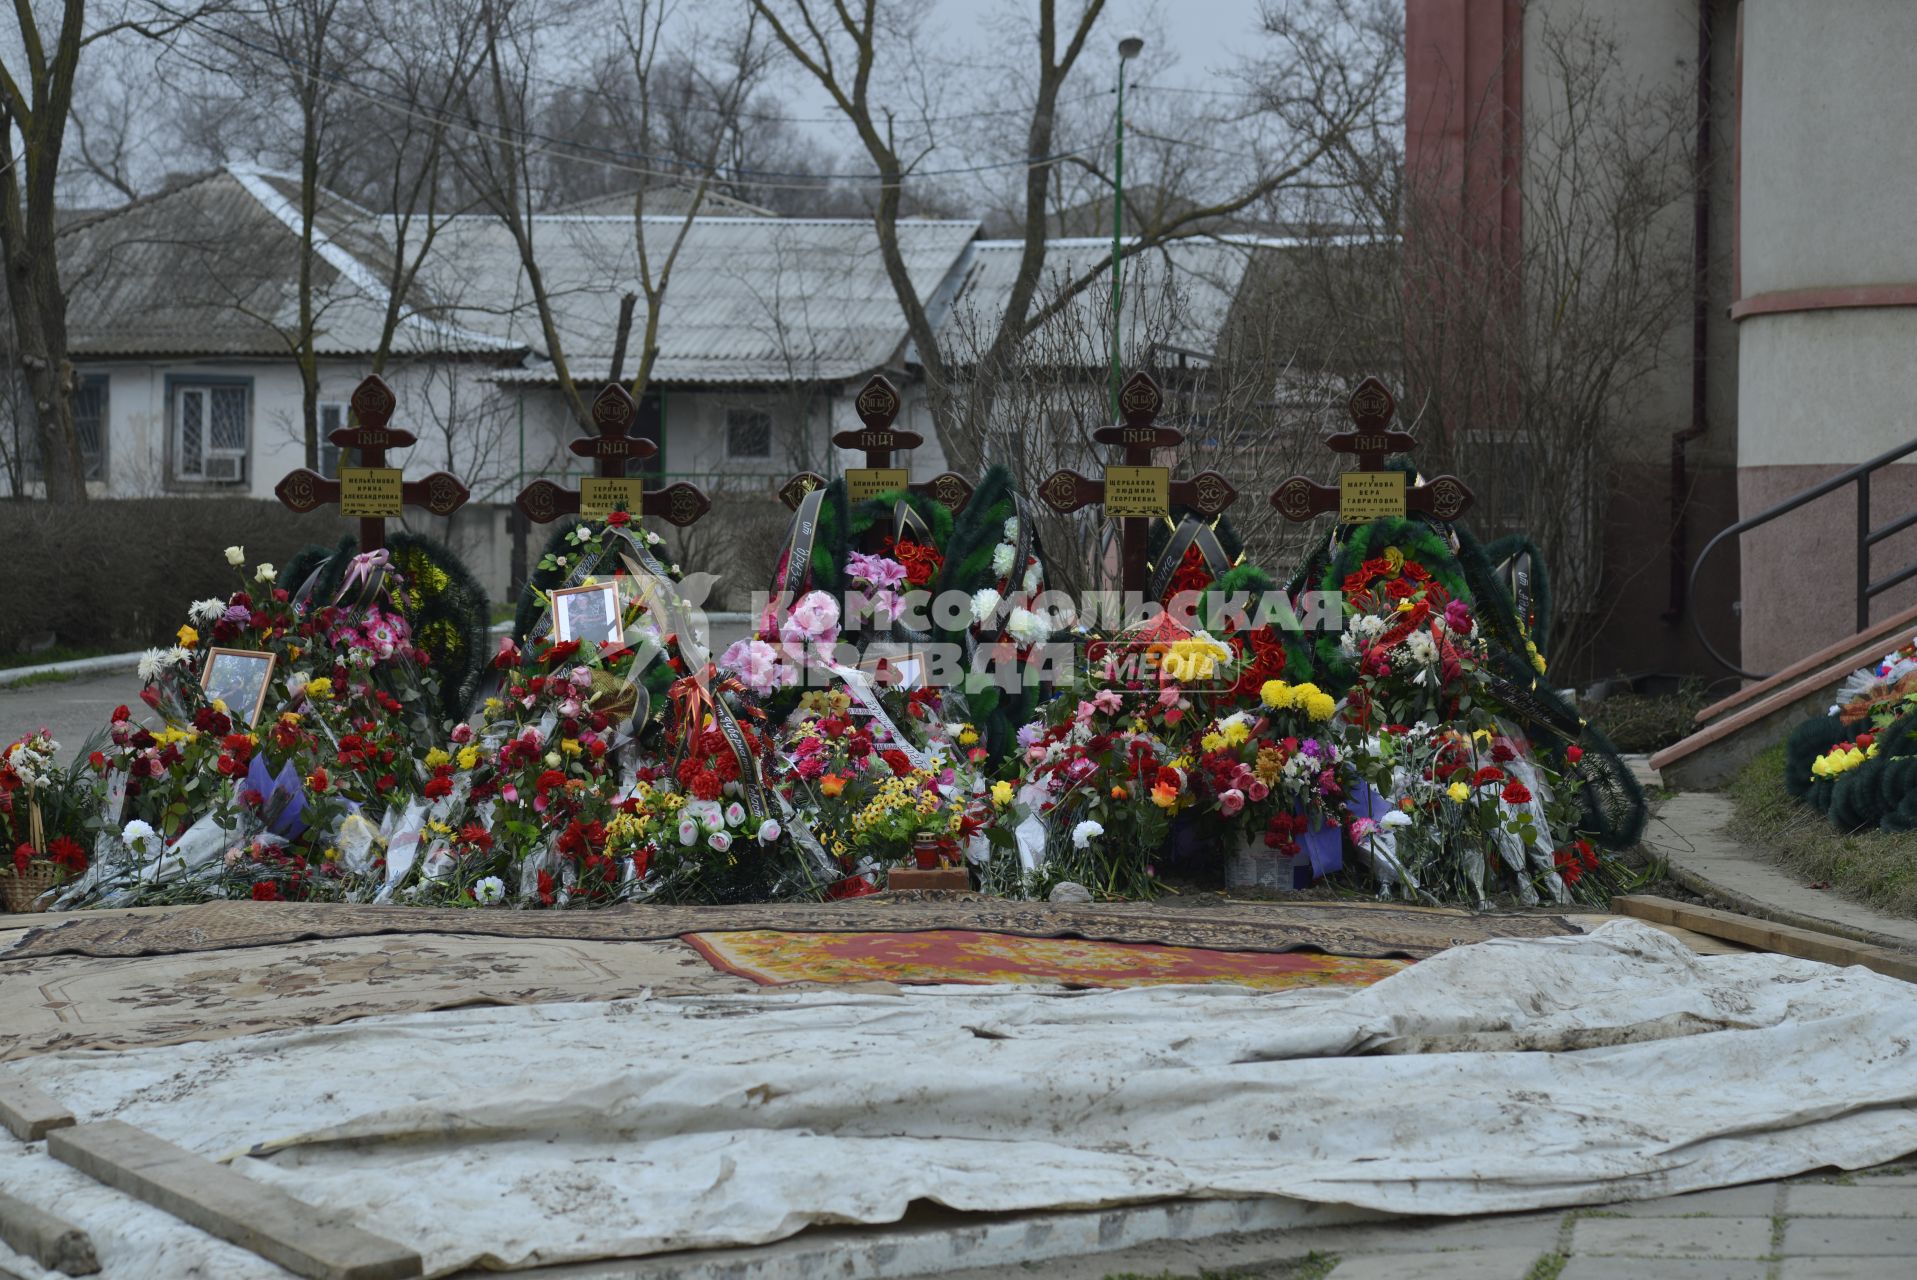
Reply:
x=588, y=613
x=902, y=669
x=239, y=678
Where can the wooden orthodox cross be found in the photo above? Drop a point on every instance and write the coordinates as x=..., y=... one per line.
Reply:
x=1371, y=492
x=878, y=404
x=372, y=490
x=613, y=416
x=1135, y=493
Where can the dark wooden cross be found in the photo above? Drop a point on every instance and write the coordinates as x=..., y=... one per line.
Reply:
x=371, y=490
x=1370, y=492
x=878, y=404
x=1136, y=492
x=613, y=416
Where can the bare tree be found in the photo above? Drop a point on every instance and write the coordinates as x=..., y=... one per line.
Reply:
x=36, y=102
x=1331, y=64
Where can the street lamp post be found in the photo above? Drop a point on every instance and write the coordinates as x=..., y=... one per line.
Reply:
x=1129, y=47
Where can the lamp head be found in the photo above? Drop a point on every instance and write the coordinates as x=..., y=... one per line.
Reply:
x=1130, y=45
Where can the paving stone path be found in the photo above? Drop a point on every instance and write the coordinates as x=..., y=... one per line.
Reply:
x=1859, y=1226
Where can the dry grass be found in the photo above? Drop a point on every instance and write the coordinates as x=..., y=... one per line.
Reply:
x=1876, y=867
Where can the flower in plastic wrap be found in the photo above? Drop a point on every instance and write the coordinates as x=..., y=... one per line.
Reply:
x=770, y=830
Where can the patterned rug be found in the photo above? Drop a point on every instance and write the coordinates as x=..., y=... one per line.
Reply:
x=1219, y=924
x=963, y=955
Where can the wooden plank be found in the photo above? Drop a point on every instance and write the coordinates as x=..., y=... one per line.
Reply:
x=233, y=1207
x=30, y=1114
x=51, y=1241
x=1766, y=935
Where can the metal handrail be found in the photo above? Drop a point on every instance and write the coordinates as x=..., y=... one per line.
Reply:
x=1867, y=538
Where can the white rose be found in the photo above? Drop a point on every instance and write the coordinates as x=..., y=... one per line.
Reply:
x=985, y=603
x=735, y=814
x=236, y=556
x=552, y=759
x=770, y=830
x=1085, y=832
x=720, y=840
x=266, y=573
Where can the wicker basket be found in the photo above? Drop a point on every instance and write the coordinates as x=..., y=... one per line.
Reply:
x=21, y=889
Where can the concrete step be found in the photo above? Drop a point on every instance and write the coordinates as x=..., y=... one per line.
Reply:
x=1738, y=727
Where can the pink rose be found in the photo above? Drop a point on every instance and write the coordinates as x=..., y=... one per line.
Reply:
x=1230, y=802
x=1258, y=791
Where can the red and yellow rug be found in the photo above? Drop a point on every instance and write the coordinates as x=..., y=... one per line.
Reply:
x=771, y=957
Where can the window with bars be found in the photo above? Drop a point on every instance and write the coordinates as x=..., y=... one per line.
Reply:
x=210, y=432
x=89, y=423
x=331, y=418
x=748, y=433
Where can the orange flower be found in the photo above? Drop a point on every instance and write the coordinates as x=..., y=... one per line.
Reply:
x=1118, y=793
x=832, y=784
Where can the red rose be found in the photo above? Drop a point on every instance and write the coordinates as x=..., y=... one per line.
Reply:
x=897, y=761
x=619, y=519
x=1488, y=774
x=386, y=782
x=1574, y=753
x=1516, y=792
x=435, y=788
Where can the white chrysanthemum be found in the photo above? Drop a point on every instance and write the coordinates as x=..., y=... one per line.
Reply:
x=1032, y=575
x=985, y=603
x=204, y=612
x=1421, y=648
x=177, y=656
x=1085, y=832
x=236, y=556
x=151, y=663
x=1027, y=628
x=489, y=891
x=139, y=836
x=1002, y=560
x=1011, y=528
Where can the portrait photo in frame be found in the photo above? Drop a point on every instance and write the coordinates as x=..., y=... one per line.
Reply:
x=240, y=679
x=589, y=612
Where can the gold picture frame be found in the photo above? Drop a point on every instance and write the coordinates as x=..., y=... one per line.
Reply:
x=251, y=663
x=569, y=613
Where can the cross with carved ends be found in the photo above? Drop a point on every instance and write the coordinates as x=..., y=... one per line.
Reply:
x=609, y=488
x=1135, y=493
x=371, y=490
x=1370, y=492
x=878, y=405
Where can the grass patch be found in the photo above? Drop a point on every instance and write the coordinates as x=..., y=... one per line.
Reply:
x=58, y=653
x=1313, y=1266
x=1873, y=866
x=1549, y=1267
x=38, y=677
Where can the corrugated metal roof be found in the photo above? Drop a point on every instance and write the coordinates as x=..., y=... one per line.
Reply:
x=758, y=300
x=1185, y=288
x=209, y=267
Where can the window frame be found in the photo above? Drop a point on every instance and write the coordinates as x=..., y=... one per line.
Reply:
x=178, y=386
x=740, y=413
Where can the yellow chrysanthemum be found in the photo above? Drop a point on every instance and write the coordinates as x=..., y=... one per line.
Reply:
x=468, y=757
x=1275, y=694
x=319, y=690
x=436, y=757
x=967, y=736
x=1212, y=742
x=1237, y=732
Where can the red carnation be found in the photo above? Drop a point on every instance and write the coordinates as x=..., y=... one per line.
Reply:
x=897, y=761
x=266, y=891
x=1487, y=775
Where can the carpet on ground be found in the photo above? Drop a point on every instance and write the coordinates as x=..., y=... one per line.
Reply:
x=86, y=1002
x=965, y=956
x=1515, y=1074
x=1338, y=928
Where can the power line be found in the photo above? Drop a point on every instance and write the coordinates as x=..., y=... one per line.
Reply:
x=609, y=157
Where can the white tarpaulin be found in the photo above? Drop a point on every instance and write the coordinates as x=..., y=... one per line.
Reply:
x=1507, y=1075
